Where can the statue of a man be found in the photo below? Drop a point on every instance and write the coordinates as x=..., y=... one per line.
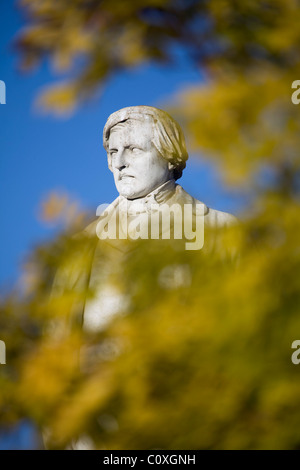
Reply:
x=146, y=153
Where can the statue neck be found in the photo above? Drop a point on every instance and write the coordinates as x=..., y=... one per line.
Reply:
x=158, y=196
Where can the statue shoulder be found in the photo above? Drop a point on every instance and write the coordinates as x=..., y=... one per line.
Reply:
x=213, y=217
x=217, y=218
x=104, y=209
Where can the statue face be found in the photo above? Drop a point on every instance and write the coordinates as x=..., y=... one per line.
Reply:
x=137, y=167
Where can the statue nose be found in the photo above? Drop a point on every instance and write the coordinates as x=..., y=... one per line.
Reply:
x=121, y=159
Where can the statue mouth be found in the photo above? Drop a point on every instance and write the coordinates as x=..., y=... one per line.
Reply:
x=125, y=176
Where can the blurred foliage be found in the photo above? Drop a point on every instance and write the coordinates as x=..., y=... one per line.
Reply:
x=200, y=359
x=201, y=356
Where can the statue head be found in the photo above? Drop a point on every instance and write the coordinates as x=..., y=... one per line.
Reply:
x=145, y=148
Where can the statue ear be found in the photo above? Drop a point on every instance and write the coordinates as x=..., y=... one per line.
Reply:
x=171, y=166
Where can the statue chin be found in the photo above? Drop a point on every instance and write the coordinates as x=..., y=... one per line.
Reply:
x=131, y=195
x=127, y=189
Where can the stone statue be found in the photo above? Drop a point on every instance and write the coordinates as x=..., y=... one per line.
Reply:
x=146, y=153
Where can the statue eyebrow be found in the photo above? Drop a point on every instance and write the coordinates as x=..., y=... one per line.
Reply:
x=127, y=147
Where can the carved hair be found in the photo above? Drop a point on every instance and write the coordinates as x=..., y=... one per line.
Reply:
x=168, y=138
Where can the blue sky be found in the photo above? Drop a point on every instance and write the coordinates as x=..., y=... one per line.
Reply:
x=40, y=153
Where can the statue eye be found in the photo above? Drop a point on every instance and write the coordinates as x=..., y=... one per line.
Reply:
x=135, y=149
